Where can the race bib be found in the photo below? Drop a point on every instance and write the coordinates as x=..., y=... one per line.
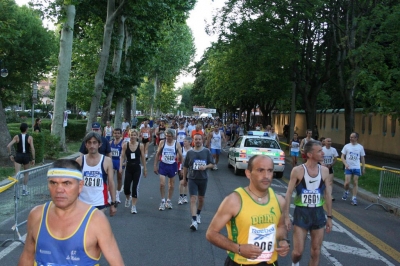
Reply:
x=181, y=137
x=169, y=156
x=198, y=163
x=328, y=159
x=311, y=197
x=162, y=135
x=114, y=152
x=93, y=179
x=264, y=239
x=133, y=155
x=352, y=156
x=295, y=145
x=145, y=135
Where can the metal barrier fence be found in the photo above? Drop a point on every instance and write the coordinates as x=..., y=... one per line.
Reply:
x=389, y=188
x=16, y=207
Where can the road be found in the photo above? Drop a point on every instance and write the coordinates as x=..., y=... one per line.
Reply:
x=152, y=237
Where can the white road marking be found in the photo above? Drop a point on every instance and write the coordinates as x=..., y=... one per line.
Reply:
x=11, y=247
x=366, y=251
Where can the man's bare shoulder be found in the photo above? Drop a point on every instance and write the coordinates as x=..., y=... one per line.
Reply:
x=36, y=214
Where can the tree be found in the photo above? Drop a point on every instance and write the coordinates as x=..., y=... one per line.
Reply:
x=26, y=50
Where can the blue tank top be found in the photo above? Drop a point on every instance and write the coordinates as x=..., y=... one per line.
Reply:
x=67, y=251
x=116, y=150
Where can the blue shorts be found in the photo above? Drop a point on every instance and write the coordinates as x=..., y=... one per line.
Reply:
x=116, y=164
x=168, y=170
x=309, y=218
x=356, y=172
x=294, y=153
x=216, y=151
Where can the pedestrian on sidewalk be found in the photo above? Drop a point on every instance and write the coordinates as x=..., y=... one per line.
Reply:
x=352, y=154
x=25, y=154
x=252, y=215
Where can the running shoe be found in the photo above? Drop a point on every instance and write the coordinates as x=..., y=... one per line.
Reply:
x=168, y=204
x=162, y=206
x=133, y=209
x=354, y=201
x=25, y=192
x=345, y=195
x=194, y=226
x=198, y=219
x=117, y=197
x=127, y=203
x=180, y=200
x=215, y=167
x=185, y=200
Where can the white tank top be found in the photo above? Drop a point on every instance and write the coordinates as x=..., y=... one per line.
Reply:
x=216, y=141
x=168, y=154
x=95, y=183
x=181, y=135
x=108, y=131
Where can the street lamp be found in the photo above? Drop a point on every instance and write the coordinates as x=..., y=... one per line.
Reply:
x=3, y=71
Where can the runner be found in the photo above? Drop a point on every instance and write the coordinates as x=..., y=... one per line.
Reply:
x=145, y=134
x=25, y=154
x=96, y=168
x=133, y=153
x=252, y=243
x=273, y=134
x=303, y=143
x=108, y=131
x=330, y=158
x=124, y=125
x=67, y=231
x=104, y=148
x=311, y=182
x=181, y=133
x=294, y=148
x=160, y=132
x=116, y=148
x=352, y=154
x=168, y=153
x=195, y=167
x=183, y=190
x=215, y=141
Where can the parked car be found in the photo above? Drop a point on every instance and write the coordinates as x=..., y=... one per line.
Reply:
x=68, y=112
x=256, y=143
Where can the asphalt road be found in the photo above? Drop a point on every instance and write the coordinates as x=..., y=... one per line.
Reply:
x=152, y=237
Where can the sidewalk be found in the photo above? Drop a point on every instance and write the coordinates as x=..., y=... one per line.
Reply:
x=371, y=161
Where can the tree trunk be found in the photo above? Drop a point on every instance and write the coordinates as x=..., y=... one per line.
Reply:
x=116, y=66
x=112, y=13
x=118, y=112
x=5, y=137
x=64, y=68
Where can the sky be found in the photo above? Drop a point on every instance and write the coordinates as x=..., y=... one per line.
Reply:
x=199, y=16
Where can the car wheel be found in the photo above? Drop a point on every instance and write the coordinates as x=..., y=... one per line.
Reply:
x=279, y=174
x=236, y=170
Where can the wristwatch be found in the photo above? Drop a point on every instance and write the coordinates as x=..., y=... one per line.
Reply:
x=114, y=203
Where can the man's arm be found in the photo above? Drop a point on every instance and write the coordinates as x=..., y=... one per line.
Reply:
x=14, y=140
x=283, y=246
x=328, y=197
x=294, y=176
x=343, y=157
x=28, y=254
x=106, y=240
x=108, y=167
x=156, y=158
x=122, y=157
x=30, y=141
x=229, y=208
x=363, y=164
x=143, y=159
x=108, y=149
x=179, y=149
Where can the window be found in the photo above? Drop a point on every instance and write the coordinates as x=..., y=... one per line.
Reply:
x=261, y=143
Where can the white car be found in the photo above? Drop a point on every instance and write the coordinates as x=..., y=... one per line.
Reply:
x=256, y=143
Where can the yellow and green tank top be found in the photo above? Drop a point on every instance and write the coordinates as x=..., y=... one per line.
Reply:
x=255, y=224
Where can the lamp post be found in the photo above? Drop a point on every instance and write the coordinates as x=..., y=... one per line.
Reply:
x=3, y=71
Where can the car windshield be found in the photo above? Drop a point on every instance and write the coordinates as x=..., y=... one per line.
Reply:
x=261, y=143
